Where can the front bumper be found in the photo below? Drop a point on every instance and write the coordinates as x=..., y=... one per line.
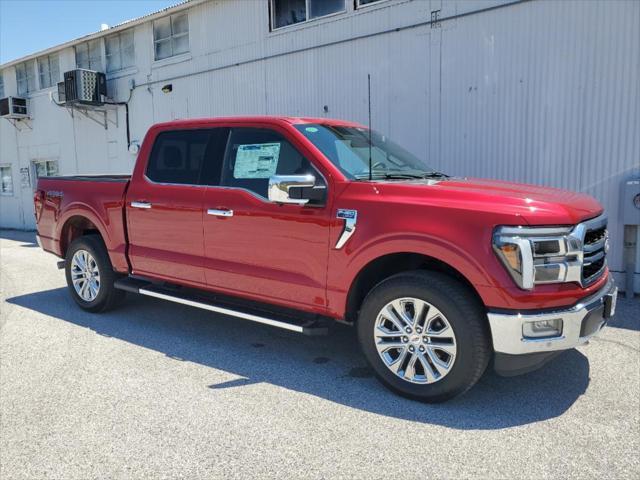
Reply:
x=579, y=323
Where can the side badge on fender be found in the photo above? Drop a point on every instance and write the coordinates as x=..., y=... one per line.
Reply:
x=350, y=218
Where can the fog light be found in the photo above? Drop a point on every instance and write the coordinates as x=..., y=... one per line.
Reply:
x=542, y=328
x=548, y=273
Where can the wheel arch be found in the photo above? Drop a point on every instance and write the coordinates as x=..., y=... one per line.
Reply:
x=385, y=266
x=76, y=226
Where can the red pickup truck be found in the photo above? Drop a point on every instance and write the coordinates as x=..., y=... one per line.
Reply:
x=296, y=222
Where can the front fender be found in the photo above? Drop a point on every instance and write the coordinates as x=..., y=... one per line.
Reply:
x=422, y=244
x=344, y=266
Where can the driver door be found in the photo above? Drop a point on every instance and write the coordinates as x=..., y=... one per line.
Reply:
x=260, y=249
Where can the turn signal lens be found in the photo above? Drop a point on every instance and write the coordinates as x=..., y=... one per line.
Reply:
x=511, y=255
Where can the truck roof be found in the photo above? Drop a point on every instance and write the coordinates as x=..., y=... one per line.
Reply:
x=274, y=119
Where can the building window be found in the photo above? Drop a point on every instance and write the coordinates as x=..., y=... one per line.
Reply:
x=26, y=77
x=362, y=3
x=89, y=55
x=1, y=86
x=289, y=12
x=44, y=168
x=171, y=36
x=48, y=70
x=6, y=180
x=119, y=51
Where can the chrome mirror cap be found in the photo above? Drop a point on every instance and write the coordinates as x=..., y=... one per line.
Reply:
x=279, y=186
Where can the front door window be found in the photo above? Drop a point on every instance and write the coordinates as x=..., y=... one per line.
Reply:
x=255, y=154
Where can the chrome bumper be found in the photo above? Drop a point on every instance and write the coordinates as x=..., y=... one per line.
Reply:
x=579, y=323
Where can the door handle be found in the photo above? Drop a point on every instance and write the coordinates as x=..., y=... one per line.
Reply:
x=140, y=204
x=220, y=213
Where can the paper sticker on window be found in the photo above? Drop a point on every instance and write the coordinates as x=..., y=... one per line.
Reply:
x=257, y=160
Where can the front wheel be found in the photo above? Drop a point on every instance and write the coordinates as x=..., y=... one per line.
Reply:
x=425, y=335
x=90, y=275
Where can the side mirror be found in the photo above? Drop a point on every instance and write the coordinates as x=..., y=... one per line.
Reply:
x=296, y=189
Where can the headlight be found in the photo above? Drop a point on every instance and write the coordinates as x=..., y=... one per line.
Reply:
x=535, y=255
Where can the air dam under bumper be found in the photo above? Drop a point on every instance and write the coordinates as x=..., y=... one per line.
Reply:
x=516, y=354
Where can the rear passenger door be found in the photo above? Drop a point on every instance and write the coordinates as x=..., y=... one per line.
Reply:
x=164, y=208
x=256, y=248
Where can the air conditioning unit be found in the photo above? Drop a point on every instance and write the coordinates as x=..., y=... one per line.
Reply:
x=85, y=87
x=13, y=107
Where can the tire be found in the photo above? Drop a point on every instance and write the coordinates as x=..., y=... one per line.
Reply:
x=453, y=331
x=107, y=297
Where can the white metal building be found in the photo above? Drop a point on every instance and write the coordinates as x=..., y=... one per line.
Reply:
x=545, y=92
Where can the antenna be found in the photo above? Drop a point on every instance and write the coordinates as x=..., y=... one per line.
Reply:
x=369, y=102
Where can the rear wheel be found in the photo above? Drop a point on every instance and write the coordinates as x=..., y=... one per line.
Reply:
x=90, y=275
x=425, y=335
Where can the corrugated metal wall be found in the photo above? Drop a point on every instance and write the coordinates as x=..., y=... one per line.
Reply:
x=546, y=93
x=541, y=91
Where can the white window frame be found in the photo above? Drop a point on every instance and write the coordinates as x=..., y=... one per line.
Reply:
x=86, y=45
x=171, y=36
x=29, y=66
x=1, y=85
x=47, y=162
x=49, y=59
x=365, y=5
x=307, y=4
x=107, y=55
x=2, y=191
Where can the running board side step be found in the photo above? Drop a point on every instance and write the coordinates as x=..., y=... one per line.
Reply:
x=198, y=300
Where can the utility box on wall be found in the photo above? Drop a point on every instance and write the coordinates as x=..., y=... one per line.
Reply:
x=631, y=202
x=630, y=220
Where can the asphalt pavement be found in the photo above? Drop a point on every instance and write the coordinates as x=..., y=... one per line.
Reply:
x=159, y=390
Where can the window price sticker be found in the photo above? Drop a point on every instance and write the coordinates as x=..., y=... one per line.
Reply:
x=257, y=160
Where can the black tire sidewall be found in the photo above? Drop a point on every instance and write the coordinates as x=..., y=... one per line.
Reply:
x=460, y=312
x=96, y=249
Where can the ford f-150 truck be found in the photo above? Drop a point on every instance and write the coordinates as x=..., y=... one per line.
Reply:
x=294, y=222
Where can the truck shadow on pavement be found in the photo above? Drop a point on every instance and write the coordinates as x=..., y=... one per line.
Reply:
x=328, y=367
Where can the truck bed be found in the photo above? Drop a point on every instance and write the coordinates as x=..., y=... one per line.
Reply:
x=92, y=178
x=86, y=203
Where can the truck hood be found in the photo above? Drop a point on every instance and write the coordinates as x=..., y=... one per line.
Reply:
x=537, y=205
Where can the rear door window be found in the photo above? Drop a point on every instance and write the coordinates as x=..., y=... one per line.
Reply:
x=255, y=154
x=178, y=157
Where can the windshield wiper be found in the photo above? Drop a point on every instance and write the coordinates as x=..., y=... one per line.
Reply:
x=403, y=175
x=400, y=175
x=390, y=175
x=435, y=174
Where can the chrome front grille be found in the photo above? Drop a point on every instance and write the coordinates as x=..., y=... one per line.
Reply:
x=594, y=246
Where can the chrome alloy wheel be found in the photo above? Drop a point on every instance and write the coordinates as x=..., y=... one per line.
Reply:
x=415, y=340
x=85, y=275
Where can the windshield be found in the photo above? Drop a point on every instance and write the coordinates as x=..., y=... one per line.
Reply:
x=348, y=149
